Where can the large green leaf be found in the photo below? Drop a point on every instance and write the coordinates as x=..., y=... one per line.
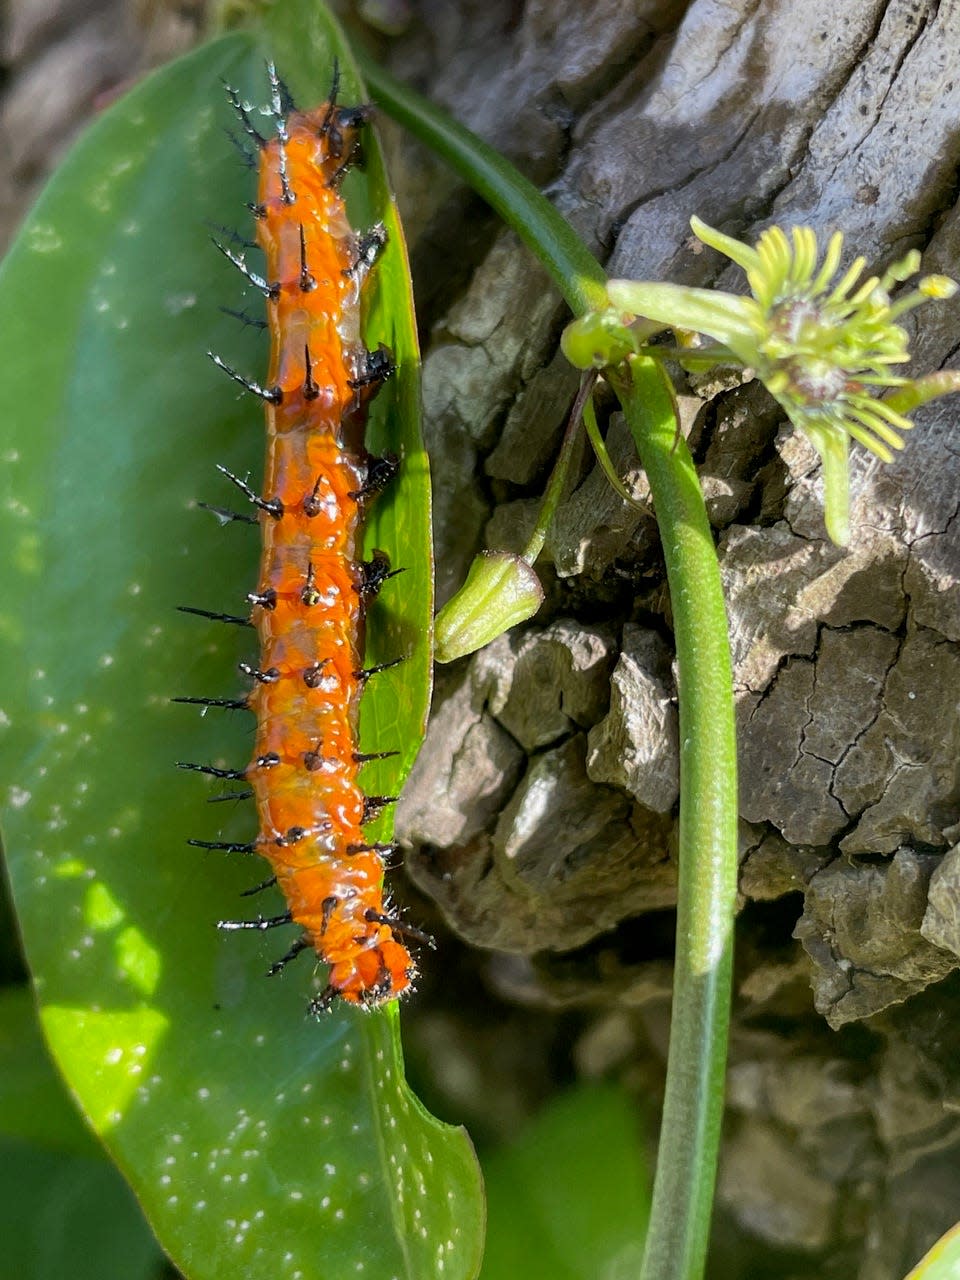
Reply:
x=69, y=1215
x=34, y=1107
x=64, y=1209
x=943, y=1260
x=570, y=1198
x=259, y=1143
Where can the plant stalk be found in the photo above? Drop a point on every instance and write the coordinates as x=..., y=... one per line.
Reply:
x=693, y=1108
x=561, y=469
x=573, y=268
x=683, y=1188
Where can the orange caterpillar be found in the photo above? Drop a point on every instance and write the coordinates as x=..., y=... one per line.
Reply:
x=313, y=588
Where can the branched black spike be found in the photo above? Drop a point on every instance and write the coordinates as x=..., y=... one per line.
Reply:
x=384, y=847
x=265, y=599
x=232, y=704
x=377, y=367
x=310, y=388
x=254, y=322
x=271, y=291
x=226, y=516
x=375, y=572
x=261, y=922
x=401, y=927
x=230, y=795
x=322, y=1003
x=380, y=471
x=369, y=247
x=286, y=193
x=287, y=103
x=281, y=99
x=301, y=944
x=279, y=115
x=307, y=282
x=215, y=617
x=312, y=504
x=331, y=100
x=249, y=159
x=353, y=157
x=259, y=888
x=233, y=97
x=361, y=757
x=309, y=595
x=230, y=233
x=269, y=760
x=270, y=676
x=258, y=210
x=277, y=91
x=366, y=672
x=272, y=506
x=234, y=775
x=273, y=395
x=373, y=806
x=227, y=846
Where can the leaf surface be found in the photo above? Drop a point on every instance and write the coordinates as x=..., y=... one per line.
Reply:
x=259, y=1143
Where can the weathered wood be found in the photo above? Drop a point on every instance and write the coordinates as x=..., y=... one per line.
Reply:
x=745, y=113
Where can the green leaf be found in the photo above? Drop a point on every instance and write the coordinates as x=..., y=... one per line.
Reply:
x=943, y=1260
x=570, y=1199
x=70, y=1215
x=64, y=1209
x=258, y=1142
x=34, y=1106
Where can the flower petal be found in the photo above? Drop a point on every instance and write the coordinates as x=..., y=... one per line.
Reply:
x=739, y=252
x=725, y=317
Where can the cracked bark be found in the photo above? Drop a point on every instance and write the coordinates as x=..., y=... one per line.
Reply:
x=845, y=661
x=843, y=658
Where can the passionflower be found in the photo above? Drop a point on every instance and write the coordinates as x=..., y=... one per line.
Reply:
x=825, y=341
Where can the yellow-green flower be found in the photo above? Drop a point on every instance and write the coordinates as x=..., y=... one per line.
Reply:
x=824, y=342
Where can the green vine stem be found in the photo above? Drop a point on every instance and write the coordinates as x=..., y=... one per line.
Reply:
x=501, y=588
x=574, y=269
x=561, y=469
x=686, y=1167
x=696, y=1066
x=603, y=457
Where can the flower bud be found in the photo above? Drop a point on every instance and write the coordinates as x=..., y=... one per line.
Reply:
x=597, y=339
x=501, y=590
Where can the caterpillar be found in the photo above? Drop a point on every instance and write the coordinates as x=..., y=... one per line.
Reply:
x=313, y=590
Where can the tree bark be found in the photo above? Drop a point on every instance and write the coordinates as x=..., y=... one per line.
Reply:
x=540, y=811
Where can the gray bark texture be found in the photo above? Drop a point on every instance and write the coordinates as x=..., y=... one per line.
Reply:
x=541, y=815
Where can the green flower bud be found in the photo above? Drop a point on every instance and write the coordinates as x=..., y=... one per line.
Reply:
x=501, y=590
x=597, y=339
